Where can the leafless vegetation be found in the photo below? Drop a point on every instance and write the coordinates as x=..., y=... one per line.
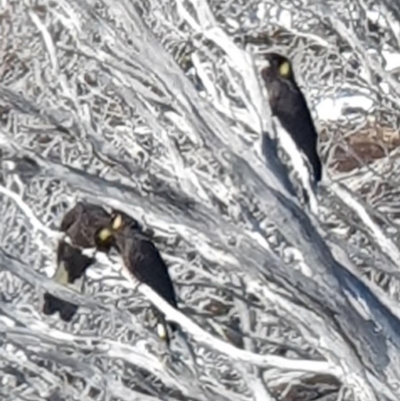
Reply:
x=155, y=107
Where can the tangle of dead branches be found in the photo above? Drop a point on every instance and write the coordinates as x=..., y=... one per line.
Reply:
x=157, y=109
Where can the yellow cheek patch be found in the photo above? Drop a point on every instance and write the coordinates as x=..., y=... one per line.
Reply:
x=162, y=332
x=284, y=69
x=117, y=222
x=104, y=235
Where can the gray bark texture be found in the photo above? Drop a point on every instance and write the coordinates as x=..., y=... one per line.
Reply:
x=156, y=107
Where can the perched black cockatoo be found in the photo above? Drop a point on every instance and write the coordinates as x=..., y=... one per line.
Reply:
x=81, y=224
x=143, y=261
x=289, y=106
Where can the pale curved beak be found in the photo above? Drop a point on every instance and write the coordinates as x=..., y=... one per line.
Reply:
x=262, y=65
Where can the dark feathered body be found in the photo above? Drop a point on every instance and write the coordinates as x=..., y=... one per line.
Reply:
x=143, y=260
x=81, y=224
x=71, y=265
x=289, y=105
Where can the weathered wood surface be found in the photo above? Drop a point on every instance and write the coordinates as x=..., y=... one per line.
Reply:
x=276, y=303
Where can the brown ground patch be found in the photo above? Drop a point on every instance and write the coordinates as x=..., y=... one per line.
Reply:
x=368, y=144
